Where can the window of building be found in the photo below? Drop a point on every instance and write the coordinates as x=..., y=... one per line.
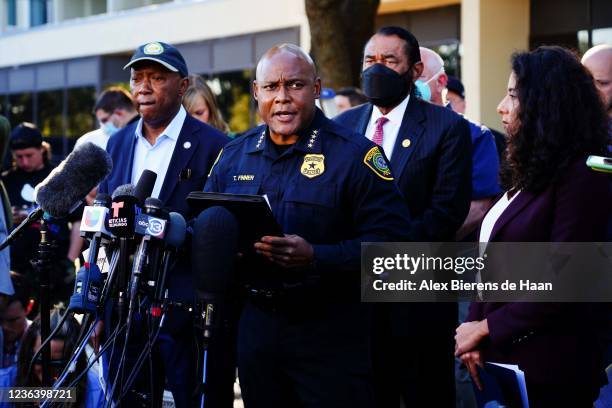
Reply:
x=80, y=104
x=233, y=92
x=574, y=24
x=11, y=13
x=20, y=108
x=132, y=4
x=38, y=12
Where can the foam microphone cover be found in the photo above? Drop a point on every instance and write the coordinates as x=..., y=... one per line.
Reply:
x=177, y=229
x=214, y=247
x=124, y=190
x=123, y=210
x=145, y=186
x=73, y=179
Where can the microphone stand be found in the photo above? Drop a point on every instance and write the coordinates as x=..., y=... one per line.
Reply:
x=42, y=265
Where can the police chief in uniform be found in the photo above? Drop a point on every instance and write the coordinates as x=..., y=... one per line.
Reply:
x=303, y=337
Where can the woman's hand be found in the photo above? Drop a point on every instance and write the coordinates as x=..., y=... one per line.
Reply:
x=469, y=335
x=473, y=359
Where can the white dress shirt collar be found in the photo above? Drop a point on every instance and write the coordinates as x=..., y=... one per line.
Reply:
x=391, y=128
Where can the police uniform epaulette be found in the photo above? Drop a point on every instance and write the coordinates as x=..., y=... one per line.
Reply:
x=244, y=136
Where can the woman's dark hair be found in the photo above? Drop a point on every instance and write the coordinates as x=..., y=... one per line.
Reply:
x=68, y=334
x=560, y=118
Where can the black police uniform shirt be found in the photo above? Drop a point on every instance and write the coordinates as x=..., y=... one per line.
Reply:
x=333, y=187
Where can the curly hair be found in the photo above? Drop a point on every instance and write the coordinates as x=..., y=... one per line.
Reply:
x=560, y=118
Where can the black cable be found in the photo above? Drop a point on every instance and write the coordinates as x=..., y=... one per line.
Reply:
x=121, y=364
x=47, y=340
x=138, y=365
x=97, y=357
x=103, y=348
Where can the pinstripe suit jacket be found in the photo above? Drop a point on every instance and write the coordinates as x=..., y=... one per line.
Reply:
x=434, y=172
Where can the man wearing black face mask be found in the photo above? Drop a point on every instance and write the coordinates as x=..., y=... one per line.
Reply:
x=429, y=148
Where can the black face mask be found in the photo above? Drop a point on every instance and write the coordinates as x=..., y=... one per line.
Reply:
x=383, y=86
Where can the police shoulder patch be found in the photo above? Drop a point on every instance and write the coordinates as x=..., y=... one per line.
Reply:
x=376, y=161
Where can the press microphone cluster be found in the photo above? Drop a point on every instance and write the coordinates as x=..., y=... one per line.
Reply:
x=138, y=226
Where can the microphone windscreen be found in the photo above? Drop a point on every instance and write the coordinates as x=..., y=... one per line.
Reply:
x=175, y=235
x=145, y=186
x=73, y=179
x=123, y=190
x=214, y=247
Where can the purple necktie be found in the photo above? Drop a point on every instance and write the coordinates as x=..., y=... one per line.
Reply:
x=378, y=133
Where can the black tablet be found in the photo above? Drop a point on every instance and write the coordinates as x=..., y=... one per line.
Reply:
x=254, y=215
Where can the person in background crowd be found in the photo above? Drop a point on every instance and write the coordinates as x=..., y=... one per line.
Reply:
x=598, y=60
x=349, y=97
x=551, y=195
x=430, y=152
x=31, y=167
x=14, y=319
x=328, y=197
x=455, y=98
x=485, y=162
x=89, y=393
x=114, y=109
x=200, y=102
x=455, y=94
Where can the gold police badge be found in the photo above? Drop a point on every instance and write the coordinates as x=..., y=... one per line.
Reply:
x=313, y=166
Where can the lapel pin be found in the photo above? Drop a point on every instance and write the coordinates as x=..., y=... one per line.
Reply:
x=187, y=145
x=406, y=143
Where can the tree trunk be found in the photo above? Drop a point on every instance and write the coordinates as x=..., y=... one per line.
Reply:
x=339, y=30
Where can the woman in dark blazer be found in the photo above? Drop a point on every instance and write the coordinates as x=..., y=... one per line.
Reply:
x=554, y=120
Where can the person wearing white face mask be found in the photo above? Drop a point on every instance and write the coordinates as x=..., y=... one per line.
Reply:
x=485, y=162
x=114, y=109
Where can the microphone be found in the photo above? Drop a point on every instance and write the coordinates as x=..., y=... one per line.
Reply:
x=95, y=218
x=89, y=280
x=153, y=221
x=174, y=239
x=152, y=226
x=123, y=211
x=213, y=259
x=73, y=179
x=145, y=186
x=62, y=191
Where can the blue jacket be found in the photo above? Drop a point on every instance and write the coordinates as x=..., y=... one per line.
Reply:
x=188, y=167
x=432, y=162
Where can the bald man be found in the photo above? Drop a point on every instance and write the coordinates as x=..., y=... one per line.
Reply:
x=303, y=335
x=485, y=161
x=598, y=60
